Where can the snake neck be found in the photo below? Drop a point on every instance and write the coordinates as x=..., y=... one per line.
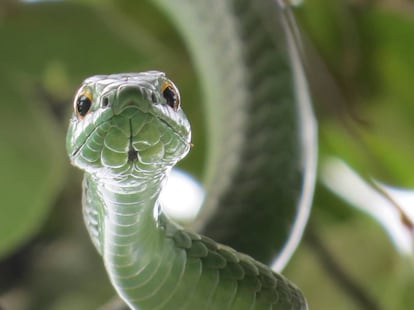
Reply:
x=132, y=233
x=131, y=215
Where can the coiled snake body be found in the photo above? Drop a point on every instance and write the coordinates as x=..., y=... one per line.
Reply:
x=128, y=131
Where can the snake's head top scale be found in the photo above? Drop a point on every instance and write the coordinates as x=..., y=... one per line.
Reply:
x=127, y=122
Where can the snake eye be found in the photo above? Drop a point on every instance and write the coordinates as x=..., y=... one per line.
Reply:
x=83, y=104
x=171, y=94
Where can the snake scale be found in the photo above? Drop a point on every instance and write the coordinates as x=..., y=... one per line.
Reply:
x=128, y=130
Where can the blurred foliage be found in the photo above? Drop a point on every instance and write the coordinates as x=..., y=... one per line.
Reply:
x=361, y=68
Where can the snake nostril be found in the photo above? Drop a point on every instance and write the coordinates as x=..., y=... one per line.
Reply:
x=105, y=102
x=153, y=98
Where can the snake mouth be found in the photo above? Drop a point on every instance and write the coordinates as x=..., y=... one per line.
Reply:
x=94, y=129
x=162, y=114
x=77, y=150
x=132, y=152
x=174, y=130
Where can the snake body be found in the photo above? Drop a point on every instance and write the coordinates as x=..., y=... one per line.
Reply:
x=261, y=161
x=128, y=131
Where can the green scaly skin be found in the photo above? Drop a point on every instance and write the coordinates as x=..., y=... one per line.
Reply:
x=261, y=157
x=126, y=143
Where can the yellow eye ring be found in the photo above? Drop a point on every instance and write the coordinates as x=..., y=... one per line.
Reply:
x=171, y=94
x=83, y=103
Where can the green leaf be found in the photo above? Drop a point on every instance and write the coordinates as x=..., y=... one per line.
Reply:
x=31, y=164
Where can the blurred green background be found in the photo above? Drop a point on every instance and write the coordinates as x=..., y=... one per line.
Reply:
x=362, y=70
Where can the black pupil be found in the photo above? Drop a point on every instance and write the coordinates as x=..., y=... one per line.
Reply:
x=83, y=105
x=170, y=96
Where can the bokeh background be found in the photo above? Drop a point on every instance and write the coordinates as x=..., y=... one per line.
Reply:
x=361, y=68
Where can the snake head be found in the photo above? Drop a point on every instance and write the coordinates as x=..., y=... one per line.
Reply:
x=129, y=122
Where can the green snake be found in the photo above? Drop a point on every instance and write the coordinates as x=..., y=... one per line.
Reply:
x=128, y=130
